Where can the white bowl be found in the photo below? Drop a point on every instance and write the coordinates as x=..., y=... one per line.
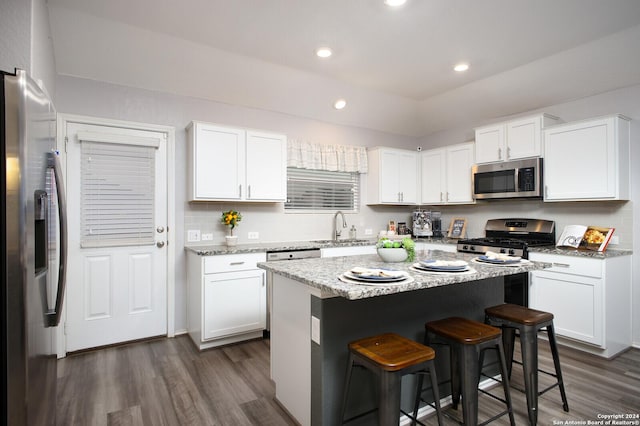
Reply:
x=393, y=254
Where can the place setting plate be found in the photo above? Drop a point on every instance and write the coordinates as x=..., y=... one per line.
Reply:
x=431, y=266
x=366, y=276
x=499, y=259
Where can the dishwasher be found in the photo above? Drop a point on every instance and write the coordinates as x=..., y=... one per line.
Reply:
x=284, y=254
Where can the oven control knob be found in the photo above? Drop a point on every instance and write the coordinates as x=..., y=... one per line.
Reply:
x=512, y=252
x=503, y=251
x=472, y=248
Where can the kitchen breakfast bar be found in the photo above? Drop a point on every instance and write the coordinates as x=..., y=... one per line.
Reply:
x=314, y=315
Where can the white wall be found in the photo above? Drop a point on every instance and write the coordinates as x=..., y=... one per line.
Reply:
x=25, y=41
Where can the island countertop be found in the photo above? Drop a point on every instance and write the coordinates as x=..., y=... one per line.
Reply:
x=323, y=273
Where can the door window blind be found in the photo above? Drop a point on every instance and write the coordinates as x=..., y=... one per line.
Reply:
x=321, y=190
x=117, y=193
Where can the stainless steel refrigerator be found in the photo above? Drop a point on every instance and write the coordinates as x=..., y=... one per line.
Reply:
x=33, y=251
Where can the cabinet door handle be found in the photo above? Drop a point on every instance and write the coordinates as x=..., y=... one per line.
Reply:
x=447, y=196
x=240, y=191
x=499, y=153
x=440, y=196
x=236, y=263
x=546, y=191
x=248, y=191
x=561, y=265
x=508, y=152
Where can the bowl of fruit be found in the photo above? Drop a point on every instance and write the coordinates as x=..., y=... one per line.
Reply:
x=396, y=251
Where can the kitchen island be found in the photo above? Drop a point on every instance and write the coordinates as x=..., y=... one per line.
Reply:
x=314, y=315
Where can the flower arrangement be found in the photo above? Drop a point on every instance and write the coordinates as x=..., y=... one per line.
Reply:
x=231, y=219
x=407, y=243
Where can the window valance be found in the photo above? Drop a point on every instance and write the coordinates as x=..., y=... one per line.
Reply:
x=341, y=158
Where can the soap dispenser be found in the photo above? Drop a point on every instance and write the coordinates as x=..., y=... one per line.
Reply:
x=352, y=232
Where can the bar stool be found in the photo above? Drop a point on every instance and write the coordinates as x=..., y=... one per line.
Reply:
x=528, y=322
x=390, y=356
x=468, y=339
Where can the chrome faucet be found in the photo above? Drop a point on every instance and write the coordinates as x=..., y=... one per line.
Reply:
x=336, y=231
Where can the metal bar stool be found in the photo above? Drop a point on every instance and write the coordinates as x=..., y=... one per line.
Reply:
x=528, y=322
x=390, y=356
x=468, y=339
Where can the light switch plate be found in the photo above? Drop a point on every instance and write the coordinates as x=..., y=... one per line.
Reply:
x=315, y=329
x=253, y=235
x=368, y=231
x=207, y=237
x=193, y=235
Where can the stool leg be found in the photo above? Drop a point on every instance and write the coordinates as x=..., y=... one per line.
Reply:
x=529, y=346
x=345, y=392
x=469, y=358
x=416, y=406
x=436, y=392
x=508, y=341
x=556, y=362
x=389, y=399
x=505, y=382
x=454, y=354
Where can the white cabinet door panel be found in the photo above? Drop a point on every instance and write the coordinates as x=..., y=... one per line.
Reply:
x=575, y=304
x=266, y=166
x=234, y=302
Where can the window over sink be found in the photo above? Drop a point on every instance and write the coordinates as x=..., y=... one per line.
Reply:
x=322, y=190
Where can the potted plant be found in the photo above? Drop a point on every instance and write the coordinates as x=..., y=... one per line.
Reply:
x=231, y=218
x=396, y=251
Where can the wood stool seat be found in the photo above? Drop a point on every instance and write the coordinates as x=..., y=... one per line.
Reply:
x=468, y=339
x=519, y=314
x=392, y=352
x=390, y=356
x=528, y=322
x=463, y=331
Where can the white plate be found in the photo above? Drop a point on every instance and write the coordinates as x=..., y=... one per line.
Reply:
x=405, y=280
x=426, y=271
x=516, y=263
x=374, y=278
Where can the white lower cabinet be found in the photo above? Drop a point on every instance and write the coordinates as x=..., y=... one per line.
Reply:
x=590, y=299
x=227, y=298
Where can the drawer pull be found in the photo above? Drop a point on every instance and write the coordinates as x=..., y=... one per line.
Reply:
x=561, y=265
x=236, y=263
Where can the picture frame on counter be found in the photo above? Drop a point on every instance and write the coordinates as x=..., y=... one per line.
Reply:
x=457, y=227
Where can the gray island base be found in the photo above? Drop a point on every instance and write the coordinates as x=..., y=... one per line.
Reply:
x=313, y=316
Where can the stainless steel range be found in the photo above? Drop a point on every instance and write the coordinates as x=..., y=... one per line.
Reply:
x=513, y=237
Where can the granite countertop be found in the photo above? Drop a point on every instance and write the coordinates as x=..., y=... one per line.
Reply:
x=322, y=273
x=581, y=253
x=217, y=249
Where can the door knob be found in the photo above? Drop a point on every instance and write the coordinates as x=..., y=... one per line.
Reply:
x=160, y=244
x=160, y=229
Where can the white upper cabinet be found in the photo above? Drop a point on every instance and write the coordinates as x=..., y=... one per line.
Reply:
x=446, y=175
x=587, y=160
x=392, y=176
x=228, y=163
x=512, y=140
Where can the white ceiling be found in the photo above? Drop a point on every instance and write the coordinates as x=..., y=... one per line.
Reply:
x=394, y=67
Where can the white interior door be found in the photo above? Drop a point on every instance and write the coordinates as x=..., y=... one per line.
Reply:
x=117, y=269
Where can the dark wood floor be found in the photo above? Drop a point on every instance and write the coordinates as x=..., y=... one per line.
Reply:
x=168, y=382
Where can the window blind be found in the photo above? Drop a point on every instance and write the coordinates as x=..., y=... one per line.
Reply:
x=319, y=190
x=117, y=194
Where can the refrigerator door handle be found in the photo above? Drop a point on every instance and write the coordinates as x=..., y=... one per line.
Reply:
x=53, y=316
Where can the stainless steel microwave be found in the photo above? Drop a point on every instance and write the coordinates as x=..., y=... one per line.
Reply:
x=509, y=179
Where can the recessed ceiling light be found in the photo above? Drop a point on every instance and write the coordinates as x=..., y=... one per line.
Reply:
x=461, y=67
x=323, y=52
x=339, y=104
x=394, y=3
